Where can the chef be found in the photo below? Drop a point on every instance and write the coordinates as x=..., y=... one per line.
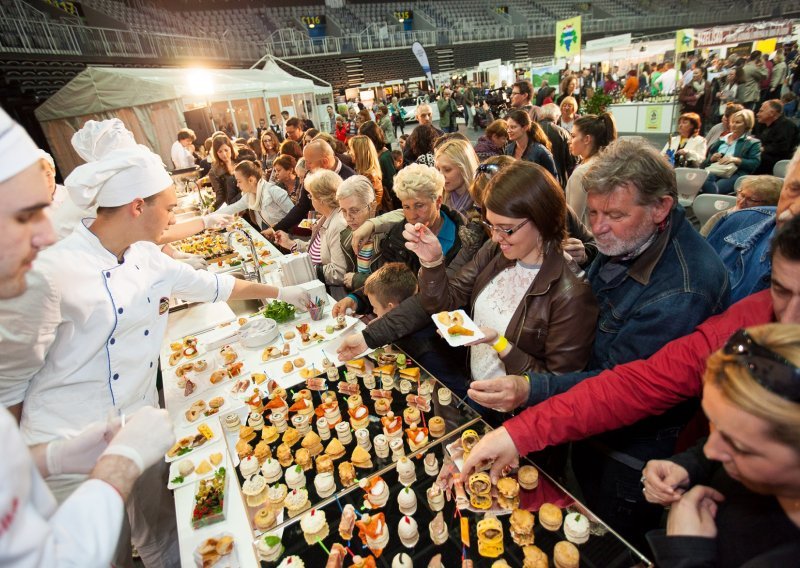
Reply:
x=100, y=297
x=84, y=530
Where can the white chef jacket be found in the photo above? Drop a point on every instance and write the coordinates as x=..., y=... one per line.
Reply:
x=95, y=328
x=64, y=214
x=33, y=533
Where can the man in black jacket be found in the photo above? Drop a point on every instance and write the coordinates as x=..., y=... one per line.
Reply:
x=777, y=133
x=559, y=138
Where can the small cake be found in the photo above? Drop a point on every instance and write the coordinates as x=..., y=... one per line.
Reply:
x=265, y=519
x=248, y=466
x=324, y=463
x=335, y=449
x=431, y=465
x=417, y=437
x=435, y=497
x=550, y=517
x=232, y=422
x=362, y=439
x=438, y=529
x=262, y=451
x=535, y=557
x=324, y=484
x=405, y=386
x=269, y=548
x=445, y=396
x=296, y=501
x=507, y=493
x=369, y=380
x=406, y=472
x=411, y=416
x=408, y=531
x=407, y=501
x=382, y=406
x=347, y=473
x=271, y=470
x=576, y=528
x=566, y=555
x=255, y=421
x=302, y=457
x=402, y=560
x=381, y=446
x=276, y=495
x=490, y=537
x=292, y=561
x=284, y=455
x=436, y=426
x=255, y=490
x=343, y=432
x=295, y=477
x=314, y=526
x=377, y=491
x=332, y=413
x=521, y=522
x=269, y=434
x=528, y=477
x=290, y=437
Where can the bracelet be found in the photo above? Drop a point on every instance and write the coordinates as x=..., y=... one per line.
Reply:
x=500, y=345
x=432, y=264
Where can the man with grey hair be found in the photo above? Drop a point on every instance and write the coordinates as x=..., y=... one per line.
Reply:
x=559, y=139
x=655, y=280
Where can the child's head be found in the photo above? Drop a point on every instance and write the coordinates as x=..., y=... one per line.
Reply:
x=389, y=285
x=397, y=157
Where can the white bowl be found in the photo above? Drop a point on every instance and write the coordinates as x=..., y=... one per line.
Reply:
x=258, y=332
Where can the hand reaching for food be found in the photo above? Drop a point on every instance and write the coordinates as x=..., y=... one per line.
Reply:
x=421, y=240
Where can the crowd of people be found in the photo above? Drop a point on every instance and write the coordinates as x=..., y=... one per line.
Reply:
x=610, y=321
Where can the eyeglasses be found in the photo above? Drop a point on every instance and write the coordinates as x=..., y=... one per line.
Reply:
x=769, y=369
x=506, y=232
x=749, y=198
x=515, y=93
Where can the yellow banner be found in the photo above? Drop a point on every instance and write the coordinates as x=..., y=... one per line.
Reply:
x=684, y=41
x=766, y=45
x=568, y=37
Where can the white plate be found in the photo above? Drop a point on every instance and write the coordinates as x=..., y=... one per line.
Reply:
x=228, y=561
x=231, y=403
x=319, y=327
x=216, y=437
x=197, y=457
x=459, y=340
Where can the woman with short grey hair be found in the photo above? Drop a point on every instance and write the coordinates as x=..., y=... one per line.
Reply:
x=356, y=198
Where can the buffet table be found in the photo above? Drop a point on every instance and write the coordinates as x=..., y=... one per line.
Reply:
x=405, y=429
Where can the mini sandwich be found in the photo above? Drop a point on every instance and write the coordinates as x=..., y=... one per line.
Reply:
x=490, y=537
x=313, y=443
x=521, y=522
x=384, y=371
x=417, y=437
x=335, y=449
x=290, y=437
x=410, y=373
x=357, y=365
x=361, y=458
x=507, y=493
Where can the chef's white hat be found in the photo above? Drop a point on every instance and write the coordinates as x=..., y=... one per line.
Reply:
x=17, y=149
x=118, y=178
x=96, y=139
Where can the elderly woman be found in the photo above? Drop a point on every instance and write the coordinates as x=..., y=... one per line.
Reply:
x=688, y=148
x=737, y=149
x=267, y=202
x=735, y=499
x=569, y=112
x=324, y=247
x=223, y=160
x=724, y=127
x=754, y=191
x=493, y=140
x=356, y=198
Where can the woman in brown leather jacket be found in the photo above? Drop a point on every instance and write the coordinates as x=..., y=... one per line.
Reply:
x=535, y=311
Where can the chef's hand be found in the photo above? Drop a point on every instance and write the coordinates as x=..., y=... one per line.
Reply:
x=352, y=346
x=489, y=336
x=362, y=235
x=269, y=234
x=284, y=240
x=145, y=438
x=694, y=514
x=575, y=248
x=421, y=240
x=80, y=453
x=503, y=393
x=496, y=447
x=217, y=220
x=294, y=295
x=341, y=307
x=664, y=482
x=194, y=260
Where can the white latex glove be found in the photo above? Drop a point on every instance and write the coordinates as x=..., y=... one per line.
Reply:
x=216, y=220
x=195, y=261
x=294, y=295
x=145, y=438
x=79, y=454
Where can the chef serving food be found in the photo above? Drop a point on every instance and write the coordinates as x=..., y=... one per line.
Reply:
x=85, y=529
x=85, y=339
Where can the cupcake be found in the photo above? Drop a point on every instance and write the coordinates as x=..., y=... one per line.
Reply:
x=248, y=466
x=445, y=396
x=269, y=548
x=295, y=477
x=435, y=497
x=576, y=528
x=271, y=470
x=324, y=484
x=436, y=426
x=406, y=472
x=381, y=446
x=275, y=496
x=255, y=490
x=255, y=421
x=566, y=555
x=296, y=501
x=438, y=529
x=314, y=526
x=408, y=531
x=407, y=501
x=431, y=465
x=265, y=519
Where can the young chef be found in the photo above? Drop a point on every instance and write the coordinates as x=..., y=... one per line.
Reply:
x=85, y=529
x=99, y=300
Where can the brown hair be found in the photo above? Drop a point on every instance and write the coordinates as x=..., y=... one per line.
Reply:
x=296, y=123
x=268, y=133
x=371, y=130
x=285, y=161
x=393, y=282
x=731, y=109
x=291, y=148
x=602, y=128
x=525, y=190
x=480, y=181
x=186, y=134
x=498, y=128
x=694, y=119
x=249, y=169
x=535, y=132
x=217, y=143
x=422, y=139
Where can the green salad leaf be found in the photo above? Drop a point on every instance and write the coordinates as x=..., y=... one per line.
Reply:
x=176, y=480
x=279, y=311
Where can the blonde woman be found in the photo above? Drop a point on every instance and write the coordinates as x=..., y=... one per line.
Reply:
x=735, y=500
x=323, y=247
x=457, y=161
x=365, y=162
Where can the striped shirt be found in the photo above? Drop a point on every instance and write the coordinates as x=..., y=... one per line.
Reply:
x=364, y=257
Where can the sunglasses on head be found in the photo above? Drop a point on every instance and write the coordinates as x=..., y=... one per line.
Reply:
x=487, y=169
x=770, y=370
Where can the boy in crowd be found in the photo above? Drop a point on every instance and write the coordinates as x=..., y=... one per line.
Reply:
x=386, y=288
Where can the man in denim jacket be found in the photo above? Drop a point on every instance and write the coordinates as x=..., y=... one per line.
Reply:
x=655, y=280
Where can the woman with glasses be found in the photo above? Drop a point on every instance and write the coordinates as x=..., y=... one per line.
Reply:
x=527, y=141
x=735, y=499
x=754, y=191
x=356, y=197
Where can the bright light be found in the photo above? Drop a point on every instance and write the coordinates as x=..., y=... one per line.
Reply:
x=311, y=26
x=199, y=81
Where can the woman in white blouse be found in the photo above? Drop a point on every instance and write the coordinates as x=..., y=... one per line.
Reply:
x=268, y=202
x=324, y=247
x=688, y=147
